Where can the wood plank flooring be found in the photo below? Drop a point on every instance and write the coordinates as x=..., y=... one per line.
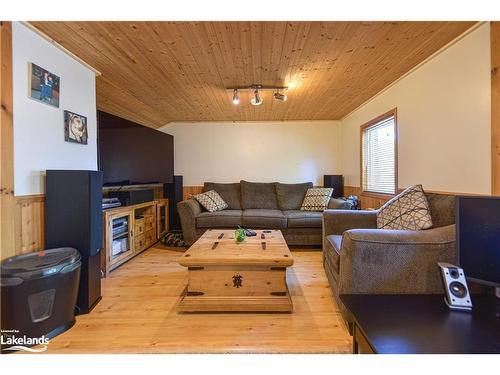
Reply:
x=137, y=314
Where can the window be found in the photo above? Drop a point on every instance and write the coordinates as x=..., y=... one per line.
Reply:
x=378, y=155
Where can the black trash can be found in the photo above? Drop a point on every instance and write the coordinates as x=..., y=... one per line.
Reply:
x=39, y=292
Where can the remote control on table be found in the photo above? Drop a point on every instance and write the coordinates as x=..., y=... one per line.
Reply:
x=250, y=233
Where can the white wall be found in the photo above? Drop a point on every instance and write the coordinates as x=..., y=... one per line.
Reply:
x=39, y=128
x=292, y=151
x=443, y=121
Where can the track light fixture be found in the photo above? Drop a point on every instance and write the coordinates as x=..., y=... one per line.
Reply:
x=257, y=90
x=256, y=100
x=236, y=97
x=280, y=96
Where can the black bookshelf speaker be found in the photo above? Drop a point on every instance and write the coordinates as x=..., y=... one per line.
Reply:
x=73, y=218
x=335, y=181
x=173, y=191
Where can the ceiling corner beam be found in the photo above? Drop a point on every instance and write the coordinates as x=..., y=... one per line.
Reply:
x=60, y=47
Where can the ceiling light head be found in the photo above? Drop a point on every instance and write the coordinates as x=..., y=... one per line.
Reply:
x=256, y=100
x=280, y=96
x=236, y=97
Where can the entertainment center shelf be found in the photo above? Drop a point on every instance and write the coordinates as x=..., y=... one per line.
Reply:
x=129, y=230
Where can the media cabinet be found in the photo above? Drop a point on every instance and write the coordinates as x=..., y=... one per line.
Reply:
x=129, y=230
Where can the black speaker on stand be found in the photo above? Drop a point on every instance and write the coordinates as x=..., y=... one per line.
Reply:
x=335, y=181
x=173, y=191
x=73, y=218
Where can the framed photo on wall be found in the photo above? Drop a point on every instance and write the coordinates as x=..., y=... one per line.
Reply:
x=75, y=128
x=43, y=85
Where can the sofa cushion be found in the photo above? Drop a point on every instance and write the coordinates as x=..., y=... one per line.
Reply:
x=231, y=193
x=263, y=218
x=211, y=201
x=316, y=199
x=258, y=195
x=291, y=196
x=334, y=245
x=408, y=210
x=442, y=208
x=219, y=219
x=303, y=219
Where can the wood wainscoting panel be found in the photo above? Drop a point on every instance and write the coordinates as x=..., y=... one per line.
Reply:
x=367, y=201
x=187, y=191
x=374, y=201
x=29, y=223
x=495, y=107
x=7, y=203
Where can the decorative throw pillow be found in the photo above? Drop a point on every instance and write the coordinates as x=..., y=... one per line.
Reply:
x=230, y=193
x=316, y=199
x=407, y=211
x=211, y=200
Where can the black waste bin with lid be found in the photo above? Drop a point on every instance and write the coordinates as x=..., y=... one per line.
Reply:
x=39, y=292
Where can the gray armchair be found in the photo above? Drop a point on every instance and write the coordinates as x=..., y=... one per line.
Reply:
x=360, y=259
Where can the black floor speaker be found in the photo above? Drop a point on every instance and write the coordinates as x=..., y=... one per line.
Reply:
x=335, y=181
x=173, y=191
x=73, y=218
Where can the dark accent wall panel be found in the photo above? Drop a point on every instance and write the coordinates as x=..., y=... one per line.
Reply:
x=132, y=152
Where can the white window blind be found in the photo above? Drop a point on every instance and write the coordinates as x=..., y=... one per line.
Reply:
x=379, y=157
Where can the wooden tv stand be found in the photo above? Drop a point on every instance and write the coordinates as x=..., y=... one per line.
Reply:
x=129, y=230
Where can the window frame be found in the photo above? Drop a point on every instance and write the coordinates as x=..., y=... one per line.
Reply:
x=392, y=113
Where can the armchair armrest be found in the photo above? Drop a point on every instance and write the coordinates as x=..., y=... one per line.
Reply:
x=188, y=210
x=338, y=221
x=394, y=261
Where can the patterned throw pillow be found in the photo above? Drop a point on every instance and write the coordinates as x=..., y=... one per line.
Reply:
x=211, y=200
x=316, y=199
x=407, y=211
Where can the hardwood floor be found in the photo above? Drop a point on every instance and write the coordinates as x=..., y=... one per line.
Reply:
x=137, y=314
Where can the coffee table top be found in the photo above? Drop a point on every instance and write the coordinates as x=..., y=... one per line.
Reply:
x=423, y=324
x=219, y=247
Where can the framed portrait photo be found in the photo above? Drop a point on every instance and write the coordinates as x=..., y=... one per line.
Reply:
x=43, y=85
x=75, y=128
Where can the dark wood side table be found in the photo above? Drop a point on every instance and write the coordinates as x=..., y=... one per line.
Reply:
x=422, y=324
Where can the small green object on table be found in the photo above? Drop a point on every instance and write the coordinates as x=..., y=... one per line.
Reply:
x=239, y=235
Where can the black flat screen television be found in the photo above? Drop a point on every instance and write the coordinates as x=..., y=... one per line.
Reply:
x=478, y=238
x=132, y=154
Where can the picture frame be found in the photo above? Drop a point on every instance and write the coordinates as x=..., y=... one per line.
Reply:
x=75, y=128
x=43, y=85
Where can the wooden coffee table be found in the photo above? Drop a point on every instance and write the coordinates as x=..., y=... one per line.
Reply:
x=228, y=276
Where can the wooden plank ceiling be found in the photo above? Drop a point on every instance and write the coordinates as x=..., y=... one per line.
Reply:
x=157, y=72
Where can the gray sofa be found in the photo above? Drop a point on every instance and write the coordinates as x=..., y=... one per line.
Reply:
x=257, y=205
x=360, y=259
